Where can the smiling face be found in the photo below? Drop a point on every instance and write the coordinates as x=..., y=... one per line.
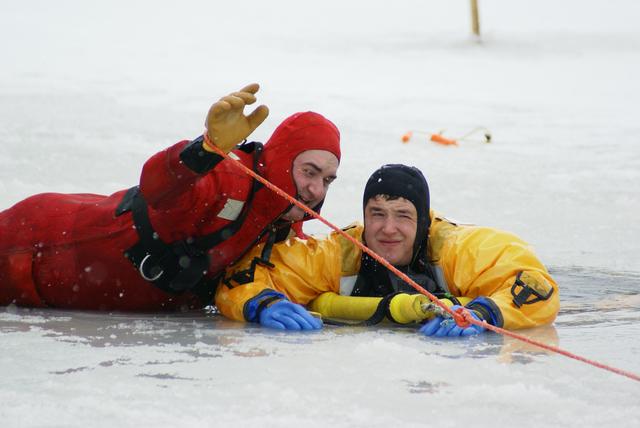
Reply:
x=313, y=172
x=390, y=227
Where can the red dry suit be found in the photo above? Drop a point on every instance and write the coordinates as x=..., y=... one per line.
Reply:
x=86, y=251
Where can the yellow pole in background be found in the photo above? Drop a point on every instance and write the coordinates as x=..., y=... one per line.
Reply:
x=475, y=20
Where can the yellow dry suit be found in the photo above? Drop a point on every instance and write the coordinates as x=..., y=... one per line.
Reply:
x=491, y=271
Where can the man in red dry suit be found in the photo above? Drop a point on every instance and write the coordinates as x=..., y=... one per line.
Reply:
x=162, y=245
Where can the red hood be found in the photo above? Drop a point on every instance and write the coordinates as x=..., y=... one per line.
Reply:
x=298, y=133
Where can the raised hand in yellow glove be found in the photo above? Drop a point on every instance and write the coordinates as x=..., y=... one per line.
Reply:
x=227, y=125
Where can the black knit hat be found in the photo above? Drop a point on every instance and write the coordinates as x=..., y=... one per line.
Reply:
x=397, y=180
x=406, y=182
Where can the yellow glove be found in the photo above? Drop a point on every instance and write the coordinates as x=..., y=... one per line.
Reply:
x=227, y=126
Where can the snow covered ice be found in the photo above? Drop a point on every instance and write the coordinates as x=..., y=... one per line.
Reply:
x=90, y=90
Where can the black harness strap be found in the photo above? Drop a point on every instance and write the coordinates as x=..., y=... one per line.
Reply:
x=247, y=275
x=179, y=266
x=382, y=311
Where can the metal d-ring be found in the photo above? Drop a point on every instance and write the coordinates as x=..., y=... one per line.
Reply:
x=141, y=269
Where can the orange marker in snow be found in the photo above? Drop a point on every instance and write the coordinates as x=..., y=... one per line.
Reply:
x=436, y=138
x=439, y=139
x=406, y=137
x=442, y=140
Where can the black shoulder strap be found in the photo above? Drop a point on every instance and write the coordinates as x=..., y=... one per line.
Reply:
x=247, y=275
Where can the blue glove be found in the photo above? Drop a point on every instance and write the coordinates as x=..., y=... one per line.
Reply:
x=285, y=315
x=443, y=327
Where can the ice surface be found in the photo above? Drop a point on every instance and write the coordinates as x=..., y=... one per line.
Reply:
x=89, y=90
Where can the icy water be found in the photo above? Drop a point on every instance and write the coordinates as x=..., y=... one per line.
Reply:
x=90, y=90
x=73, y=368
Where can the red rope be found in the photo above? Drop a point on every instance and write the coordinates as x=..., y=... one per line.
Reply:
x=462, y=316
x=317, y=216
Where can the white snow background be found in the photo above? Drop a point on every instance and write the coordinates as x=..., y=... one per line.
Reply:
x=90, y=90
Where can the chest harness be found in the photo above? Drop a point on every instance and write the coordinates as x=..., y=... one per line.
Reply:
x=183, y=265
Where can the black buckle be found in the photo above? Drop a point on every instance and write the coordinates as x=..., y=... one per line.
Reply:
x=522, y=298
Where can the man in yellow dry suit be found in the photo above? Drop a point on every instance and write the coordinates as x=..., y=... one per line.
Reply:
x=494, y=274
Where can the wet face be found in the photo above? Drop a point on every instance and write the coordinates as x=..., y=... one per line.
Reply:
x=313, y=172
x=390, y=228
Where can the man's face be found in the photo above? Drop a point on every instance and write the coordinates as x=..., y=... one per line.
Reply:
x=313, y=172
x=390, y=228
